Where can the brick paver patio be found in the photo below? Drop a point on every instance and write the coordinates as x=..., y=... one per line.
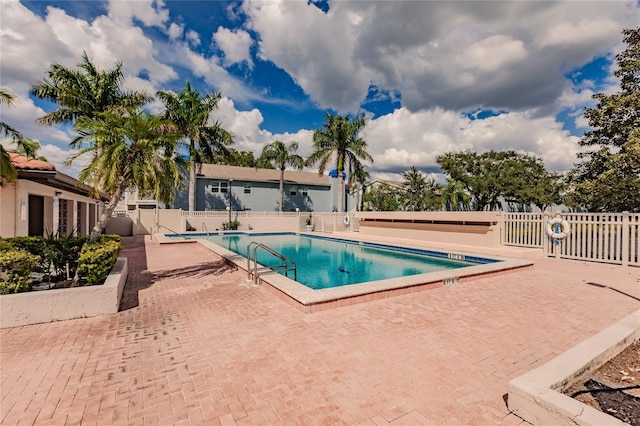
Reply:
x=192, y=345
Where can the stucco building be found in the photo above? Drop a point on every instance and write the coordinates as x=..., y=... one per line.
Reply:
x=44, y=200
x=248, y=188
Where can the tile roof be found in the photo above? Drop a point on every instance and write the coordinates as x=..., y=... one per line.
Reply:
x=251, y=174
x=20, y=162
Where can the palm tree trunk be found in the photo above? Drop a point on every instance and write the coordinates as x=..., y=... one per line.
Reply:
x=281, y=190
x=106, y=214
x=192, y=181
x=340, y=191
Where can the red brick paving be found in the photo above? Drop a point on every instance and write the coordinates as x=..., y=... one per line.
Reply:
x=191, y=345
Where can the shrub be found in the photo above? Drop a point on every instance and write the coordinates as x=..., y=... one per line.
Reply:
x=5, y=245
x=233, y=225
x=34, y=245
x=97, y=259
x=16, y=266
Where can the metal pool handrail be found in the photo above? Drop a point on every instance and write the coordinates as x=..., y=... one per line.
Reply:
x=285, y=267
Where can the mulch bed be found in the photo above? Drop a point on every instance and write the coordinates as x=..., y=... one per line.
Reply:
x=614, y=388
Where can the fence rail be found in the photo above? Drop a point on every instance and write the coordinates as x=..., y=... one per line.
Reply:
x=322, y=221
x=601, y=237
x=238, y=213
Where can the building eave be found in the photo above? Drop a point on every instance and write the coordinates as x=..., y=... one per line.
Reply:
x=58, y=180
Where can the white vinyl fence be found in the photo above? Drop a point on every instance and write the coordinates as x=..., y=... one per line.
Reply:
x=600, y=237
x=322, y=221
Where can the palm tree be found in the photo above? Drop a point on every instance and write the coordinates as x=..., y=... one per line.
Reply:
x=24, y=145
x=137, y=150
x=455, y=196
x=280, y=155
x=358, y=175
x=190, y=112
x=84, y=92
x=338, y=138
x=30, y=148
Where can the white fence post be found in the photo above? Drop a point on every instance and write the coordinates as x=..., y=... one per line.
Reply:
x=545, y=237
x=625, y=238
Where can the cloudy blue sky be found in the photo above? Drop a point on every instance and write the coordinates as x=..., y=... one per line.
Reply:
x=431, y=77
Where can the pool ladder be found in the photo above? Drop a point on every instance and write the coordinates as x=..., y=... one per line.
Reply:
x=288, y=265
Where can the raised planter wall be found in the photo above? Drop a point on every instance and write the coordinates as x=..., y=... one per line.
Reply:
x=536, y=396
x=66, y=303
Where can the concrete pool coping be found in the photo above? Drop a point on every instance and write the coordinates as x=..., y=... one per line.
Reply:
x=310, y=300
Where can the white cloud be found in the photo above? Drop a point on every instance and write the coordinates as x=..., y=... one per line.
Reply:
x=439, y=58
x=22, y=116
x=493, y=53
x=105, y=39
x=57, y=156
x=315, y=49
x=235, y=45
x=210, y=70
x=149, y=12
x=27, y=45
x=248, y=136
x=453, y=55
x=175, y=31
x=403, y=139
x=578, y=33
x=193, y=38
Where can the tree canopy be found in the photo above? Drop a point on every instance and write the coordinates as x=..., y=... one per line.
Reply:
x=339, y=139
x=608, y=178
x=381, y=198
x=455, y=196
x=420, y=194
x=137, y=149
x=493, y=175
x=84, y=91
x=126, y=146
x=280, y=156
x=191, y=114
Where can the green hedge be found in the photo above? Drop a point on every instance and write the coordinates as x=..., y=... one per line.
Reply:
x=16, y=266
x=96, y=260
x=21, y=256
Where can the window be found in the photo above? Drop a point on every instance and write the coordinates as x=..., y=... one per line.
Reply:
x=293, y=191
x=222, y=187
x=304, y=191
x=247, y=188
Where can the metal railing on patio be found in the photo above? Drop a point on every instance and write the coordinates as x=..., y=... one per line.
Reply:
x=600, y=237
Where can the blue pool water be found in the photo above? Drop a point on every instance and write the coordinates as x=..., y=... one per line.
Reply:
x=327, y=262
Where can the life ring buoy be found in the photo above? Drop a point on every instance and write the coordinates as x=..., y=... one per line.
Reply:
x=347, y=220
x=551, y=224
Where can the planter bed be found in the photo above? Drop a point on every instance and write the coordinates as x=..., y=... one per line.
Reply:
x=537, y=395
x=36, y=307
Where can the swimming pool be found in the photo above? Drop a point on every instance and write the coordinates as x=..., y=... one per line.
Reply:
x=313, y=300
x=324, y=262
